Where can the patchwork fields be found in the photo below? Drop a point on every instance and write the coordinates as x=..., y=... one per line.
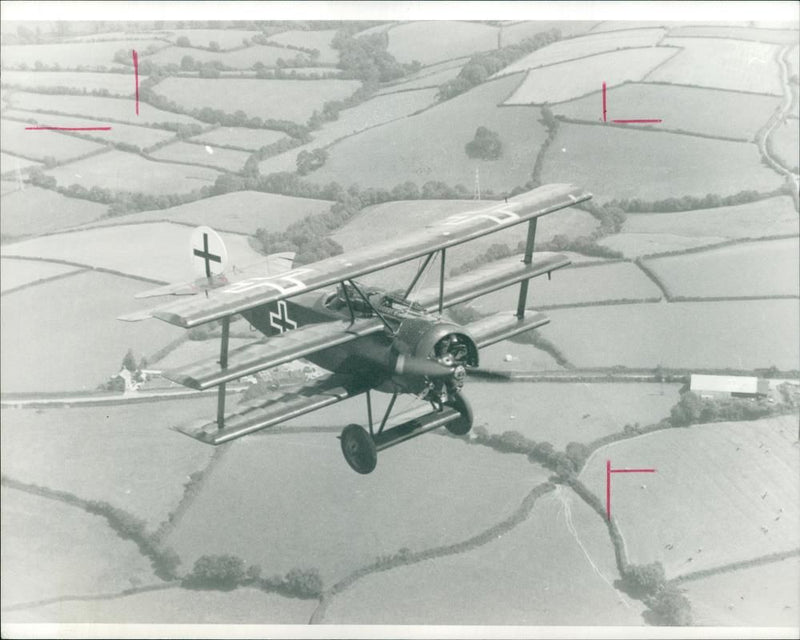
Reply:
x=33, y=210
x=39, y=145
x=217, y=157
x=444, y=40
x=120, y=84
x=249, y=139
x=91, y=55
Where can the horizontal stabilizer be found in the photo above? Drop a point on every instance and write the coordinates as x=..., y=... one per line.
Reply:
x=185, y=288
x=502, y=325
x=275, y=408
x=489, y=278
x=279, y=349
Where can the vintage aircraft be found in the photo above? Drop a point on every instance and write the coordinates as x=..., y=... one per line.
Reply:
x=367, y=338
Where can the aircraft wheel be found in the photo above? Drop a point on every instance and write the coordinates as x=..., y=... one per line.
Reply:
x=462, y=425
x=359, y=449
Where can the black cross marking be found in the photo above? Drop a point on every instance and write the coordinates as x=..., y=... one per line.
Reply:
x=206, y=256
x=281, y=320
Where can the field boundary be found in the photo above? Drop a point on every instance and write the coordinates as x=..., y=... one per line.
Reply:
x=42, y=281
x=737, y=566
x=90, y=598
x=86, y=267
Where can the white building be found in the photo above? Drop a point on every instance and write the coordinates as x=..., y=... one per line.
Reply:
x=728, y=386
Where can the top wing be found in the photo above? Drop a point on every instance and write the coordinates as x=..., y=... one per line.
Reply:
x=455, y=229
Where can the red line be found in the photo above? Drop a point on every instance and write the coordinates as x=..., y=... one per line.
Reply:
x=68, y=128
x=608, y=484
x=604, y=102
x=633, y=471
x=136, y=73
x=634, y=121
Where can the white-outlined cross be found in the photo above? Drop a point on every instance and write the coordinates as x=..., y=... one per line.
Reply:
x=281, y=320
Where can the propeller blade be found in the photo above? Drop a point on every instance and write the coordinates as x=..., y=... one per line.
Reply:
x=422, y=367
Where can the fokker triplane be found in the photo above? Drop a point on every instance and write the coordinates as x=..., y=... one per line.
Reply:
x=367, y=338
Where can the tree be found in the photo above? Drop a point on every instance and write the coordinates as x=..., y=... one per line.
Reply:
x=486, y=145
x=214, y=46
x=645, y=579
x=223, y=572
x=188, y=63
x=304, y=583
x=183, y=41
x=671, y=606
x=129, y=362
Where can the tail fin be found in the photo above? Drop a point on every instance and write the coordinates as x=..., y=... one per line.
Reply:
x=209, y=255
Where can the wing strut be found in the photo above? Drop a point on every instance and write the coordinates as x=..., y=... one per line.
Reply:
x=441, y=284
x=372, y=306
x=223, y=363
x=527, y=259
x=425, y=264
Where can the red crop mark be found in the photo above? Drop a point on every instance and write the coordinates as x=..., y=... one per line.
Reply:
x=68, y=128
x=604, y=102
x=136, y=74
x=635, y=121
x=609, y=471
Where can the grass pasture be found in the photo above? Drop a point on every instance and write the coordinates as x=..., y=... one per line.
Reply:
x=10, y=186
x=123, y=171
x=225, y=38
x=711, y=480
x=217, y=157
x=585, y=46
x=51, y=549
x=514, y=33
x=774, y=36
x=624, y=25
x=612, y=162
x=527, y=586
x=585, y=76
x=19, y=273
x=239, y=59
x=444, y=40
x=114, y=83
x=702, y=111
x=38, y=145
x=688, y=335
x=762, y=269
x=34, y=210
x=249, y=139
x=425, y=79
x=430, y=145
x=293, y=100
x=564, y=412
x=12, y=165
x=634, y=245
x=786, y=142
x=723, y=64
x=91, y=55
x=95, y=108
x=37, y=357
x=442, y=492
x=319, y=40
x=525, y=357
x=121, y=247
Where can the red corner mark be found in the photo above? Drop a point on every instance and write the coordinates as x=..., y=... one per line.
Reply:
x=68, y=128
x=609, y=471
x=136, y=74
x=639, y=121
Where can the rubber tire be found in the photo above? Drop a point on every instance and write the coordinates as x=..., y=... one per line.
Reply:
x=359, y=449
x=462, y=425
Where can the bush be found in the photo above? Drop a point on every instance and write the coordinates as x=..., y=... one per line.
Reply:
x=670, y=606
x=304, y=583
x=486, y=145
x=644, y=579
x=222, y=572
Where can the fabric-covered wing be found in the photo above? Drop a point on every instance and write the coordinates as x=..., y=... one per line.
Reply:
x=275, y=408
x=456, y=229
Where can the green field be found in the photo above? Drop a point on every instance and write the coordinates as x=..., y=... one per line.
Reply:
x=319, y=40
x=444, y=40
x=633, y=245
x=687, y=335
x=123, y=171
x=539, y=573
x=570, y=80
x=514, y=33
x=430, y=146
x=634, y=163
x=115, y=83
x=761, y=269
x=777, y=36
x=217, y=157
x=177, y=606
x=250, y=139
x=786, y=142
x=225, y=38
x=84, y=307
x=52, y=549
x=18, y=273
x=442, y=491
x=564, y=412
x=711, y=481
x=426, y=78
x=293, y=100
x=73, y=55
x=703, y=111
x=585, y=46
x=141, y=136
x=764, y=596
x=143, y=464
x=121, y=248
x=240, y=59
x=33, y=210
x=39, y=145
x=724, y=64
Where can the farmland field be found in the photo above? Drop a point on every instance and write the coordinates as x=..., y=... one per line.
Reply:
x=724, y=64
x=423, y=80
x=241, y=59
x=786, y=142
x=217, y=157
x=142, y=137
x=114, y=83
x=442, y=492
x=515, y=33
x=691, y=334
x=225, y=38
x=10, y=186
x=791, y=58
x=18, y=273
x=523, y=356
x=444, y=40
x=762, y=268
x=293, y=100
x=52, y=549
x=546, y=84
x=119, y=247
x=756, y=596
x=584, y=46
x=633, y=245
x=633, y=164
x=123, y=171
x=319, y=40
x=96, y=108
x=36, y=357
x=10, y=164
x=527, y=587
x=777, y=36
x=177, y=606
x=34, y=210
x=250, y=139
x=87, y=54
x=624, y=25
x=704, y=111
x=564, y=412
x=143, y=462
x=39, y=145
x=711, y=480
x=430, y=145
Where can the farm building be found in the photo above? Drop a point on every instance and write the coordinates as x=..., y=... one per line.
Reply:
x=729, y=386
